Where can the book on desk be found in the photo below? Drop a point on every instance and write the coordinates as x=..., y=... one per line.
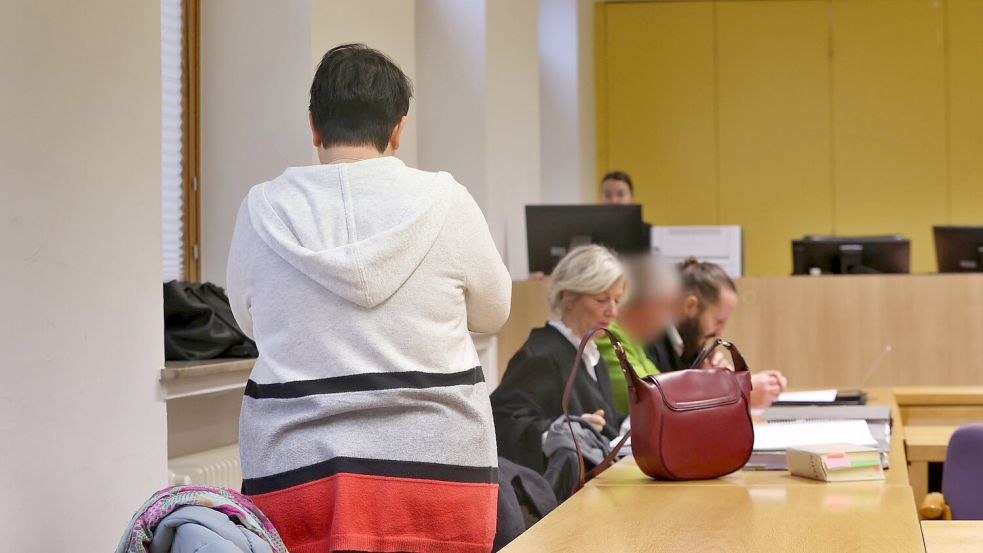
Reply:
x=836, y=462
x=816, y=425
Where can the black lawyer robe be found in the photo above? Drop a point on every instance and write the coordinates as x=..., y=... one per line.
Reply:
x=530, y=396
x=662, y=353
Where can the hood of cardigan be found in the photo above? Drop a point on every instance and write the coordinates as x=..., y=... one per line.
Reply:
x=359, y=230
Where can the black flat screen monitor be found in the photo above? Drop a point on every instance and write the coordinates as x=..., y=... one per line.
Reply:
x=959, y=249
x=843, y=255
x=554, y=230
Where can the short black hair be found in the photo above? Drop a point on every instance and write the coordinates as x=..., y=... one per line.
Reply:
x=619, y=175
x=358, y=95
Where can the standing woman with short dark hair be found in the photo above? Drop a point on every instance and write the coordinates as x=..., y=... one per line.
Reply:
x=366, y=423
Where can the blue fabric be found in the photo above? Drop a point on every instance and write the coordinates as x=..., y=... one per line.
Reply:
x=197, y=529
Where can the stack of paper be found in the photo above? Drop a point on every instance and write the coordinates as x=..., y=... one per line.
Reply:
x=836, y=462
x=878, y=419
x=779, y=436
x=815, y=396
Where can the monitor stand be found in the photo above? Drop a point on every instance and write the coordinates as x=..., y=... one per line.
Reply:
x=851, y=259
x=578, y=240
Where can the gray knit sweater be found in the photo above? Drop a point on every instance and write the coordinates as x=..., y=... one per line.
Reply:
x=366, y=423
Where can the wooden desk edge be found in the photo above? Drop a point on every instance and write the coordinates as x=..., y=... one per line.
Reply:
x=910, y=396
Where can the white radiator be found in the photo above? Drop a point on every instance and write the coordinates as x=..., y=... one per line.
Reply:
x=217, y=467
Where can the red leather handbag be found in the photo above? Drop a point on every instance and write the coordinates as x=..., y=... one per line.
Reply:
x=693, y=424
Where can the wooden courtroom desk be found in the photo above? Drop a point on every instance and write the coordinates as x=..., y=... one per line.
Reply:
x=940, y=405
x=938, y=395
x=627, y=472
x=827, y=331
x=924, y=445
x=626, y=519
x=927, y=443
x=931, y=414
x=953, y=536
x=749, y=511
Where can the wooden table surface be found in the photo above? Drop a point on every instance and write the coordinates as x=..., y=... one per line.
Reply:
x=748, y=511
x=953, y=536
x=843, y=517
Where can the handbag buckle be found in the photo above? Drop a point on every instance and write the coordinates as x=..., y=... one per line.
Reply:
x=618, y=349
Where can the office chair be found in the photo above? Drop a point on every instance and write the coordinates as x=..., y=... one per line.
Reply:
x=962, y=478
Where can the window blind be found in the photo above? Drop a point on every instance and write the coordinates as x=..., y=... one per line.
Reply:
x=172, y=124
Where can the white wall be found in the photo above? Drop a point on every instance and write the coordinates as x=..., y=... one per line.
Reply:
x=478, y=104
x=586, y=103
x=255, y=83
x=503, y=100
x=513, y=147
x=567, y=115
x=81, y=420
x=450, y=92
x=385, y=25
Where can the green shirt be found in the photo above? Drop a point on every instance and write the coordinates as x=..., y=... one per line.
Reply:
x=634, y=352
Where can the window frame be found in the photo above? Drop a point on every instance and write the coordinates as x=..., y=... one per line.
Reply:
x=191, y=160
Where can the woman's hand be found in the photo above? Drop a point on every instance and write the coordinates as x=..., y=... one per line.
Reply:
x=765, y=388
x=595, y=419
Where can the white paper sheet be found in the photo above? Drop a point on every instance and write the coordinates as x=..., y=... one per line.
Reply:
x=777, y=436
x=813, y=396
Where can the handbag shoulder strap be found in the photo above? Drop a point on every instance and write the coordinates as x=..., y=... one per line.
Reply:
x=739, y=364
x=630, y=377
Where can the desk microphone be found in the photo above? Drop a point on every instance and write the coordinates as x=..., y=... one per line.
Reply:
x=875, y=365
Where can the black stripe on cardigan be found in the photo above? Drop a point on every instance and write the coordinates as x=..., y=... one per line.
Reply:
x=366, y=382
x=371, y=467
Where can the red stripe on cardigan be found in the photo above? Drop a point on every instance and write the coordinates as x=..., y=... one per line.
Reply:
x=375, y=513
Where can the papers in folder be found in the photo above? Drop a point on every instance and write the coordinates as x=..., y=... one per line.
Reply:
x=815, y=396
x=779, y=436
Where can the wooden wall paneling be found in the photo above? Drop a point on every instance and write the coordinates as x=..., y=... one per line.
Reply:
x=656, y=114
x=964, y=30
x=889, y=120
x=774, y=104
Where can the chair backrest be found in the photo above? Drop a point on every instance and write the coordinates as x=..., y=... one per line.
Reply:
x=962, y=476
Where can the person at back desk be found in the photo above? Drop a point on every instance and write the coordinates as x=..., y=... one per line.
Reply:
x=585, y=290
x=617, y=189
x=708, y=300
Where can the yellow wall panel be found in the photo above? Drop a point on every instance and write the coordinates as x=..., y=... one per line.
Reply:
x=656, y=108
x=796, y=116
x=889, y=130
x=774, y=126
x=965, y=26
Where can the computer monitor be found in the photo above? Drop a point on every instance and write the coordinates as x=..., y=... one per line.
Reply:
x=851, y=255
x=959, y=249
x=554, y=230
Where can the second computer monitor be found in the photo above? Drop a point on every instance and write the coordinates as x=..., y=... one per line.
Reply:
x=553, y=230
x=851, y=255
x=959, y=249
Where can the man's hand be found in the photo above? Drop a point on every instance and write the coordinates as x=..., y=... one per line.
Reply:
x=766, y=386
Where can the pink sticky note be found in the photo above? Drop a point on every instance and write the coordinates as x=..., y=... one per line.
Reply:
x=837, y=461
